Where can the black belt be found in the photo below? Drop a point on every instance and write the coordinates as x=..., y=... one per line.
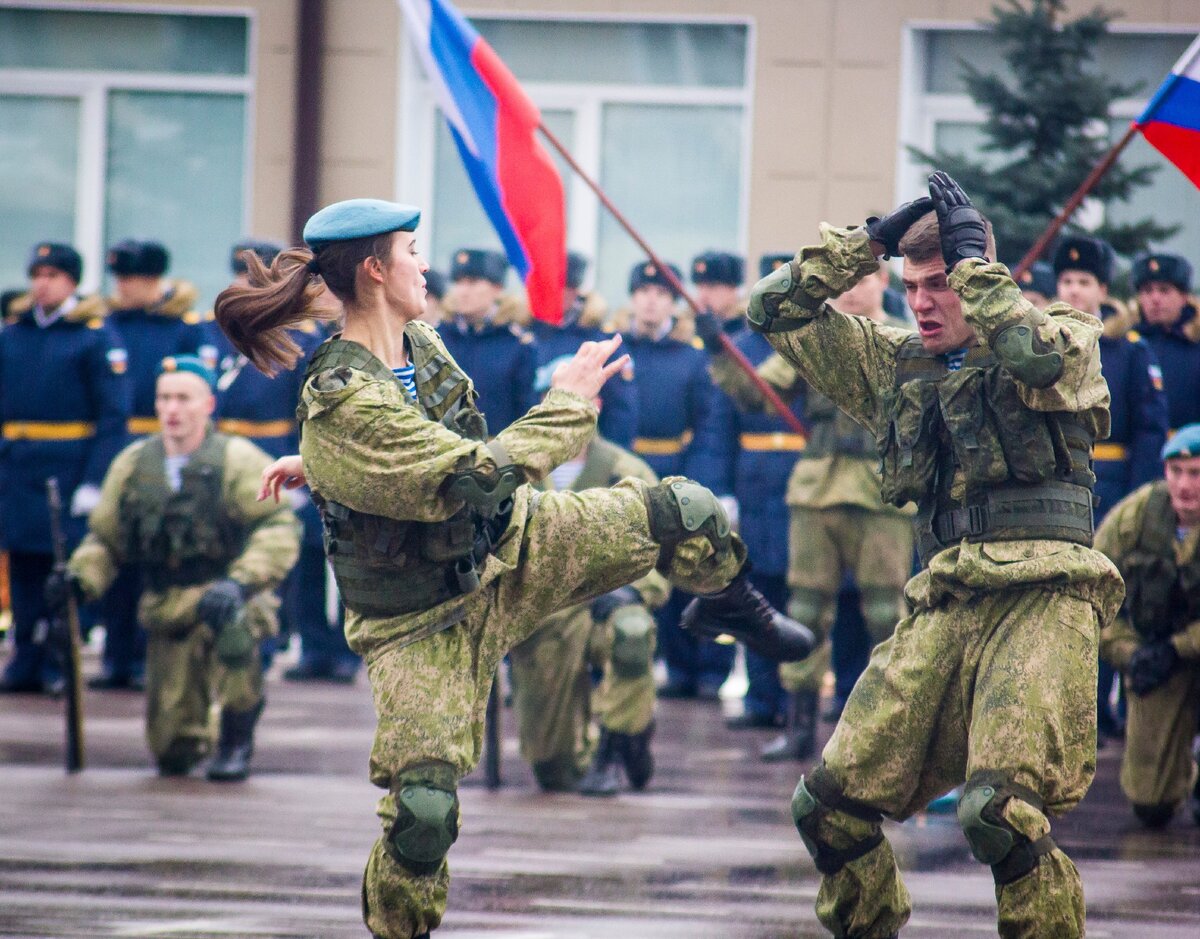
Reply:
x=187, y=575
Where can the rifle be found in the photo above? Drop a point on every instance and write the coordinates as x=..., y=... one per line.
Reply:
x=67, y=640
x=493, y=736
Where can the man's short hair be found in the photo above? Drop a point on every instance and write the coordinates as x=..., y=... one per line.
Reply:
x=923, y=241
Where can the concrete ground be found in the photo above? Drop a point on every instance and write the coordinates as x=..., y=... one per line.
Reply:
x=708, y=851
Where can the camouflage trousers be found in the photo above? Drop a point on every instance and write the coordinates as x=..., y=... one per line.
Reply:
x=823, y=546
x=431, y=695
x=1157, y=768
x=996, y=682
x=554, y=699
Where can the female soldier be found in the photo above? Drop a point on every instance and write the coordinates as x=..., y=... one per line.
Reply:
x=444, y=558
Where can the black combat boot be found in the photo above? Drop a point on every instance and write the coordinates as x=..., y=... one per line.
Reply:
x=603, y=778
x=799, y=738
x=181, y=756
x=236, y=745
x=742, y=612
x=635, y=754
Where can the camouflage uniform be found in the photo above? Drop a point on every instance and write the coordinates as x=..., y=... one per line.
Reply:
x=551, y=668
x=369, y=448
x=990, y=679
x=1157, y=768
x=252, y=542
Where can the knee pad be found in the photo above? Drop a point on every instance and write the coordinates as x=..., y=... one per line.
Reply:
x=680, y=509
x=992, y=839
x=814, y=799
x=426, y=822
x=633, y=641
x=806, y=605
x=1156, y=815
x=880, y=609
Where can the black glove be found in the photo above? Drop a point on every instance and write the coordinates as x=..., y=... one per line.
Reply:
x=1151, y=665
x=708, y=328
x=607, y=603
x=221, y=603
x=891, y=228
x=58, y=590
x=960, y=224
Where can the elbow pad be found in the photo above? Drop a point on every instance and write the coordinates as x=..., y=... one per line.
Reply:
x=766, y=298
x=486, y=492
x=1026, y=356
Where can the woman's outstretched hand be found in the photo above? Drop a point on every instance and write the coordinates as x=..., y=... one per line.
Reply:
x=585, y=373
x=287, y=473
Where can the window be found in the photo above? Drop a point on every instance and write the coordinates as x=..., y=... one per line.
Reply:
x=940, y=114
x=638, y=104
x=116, y=125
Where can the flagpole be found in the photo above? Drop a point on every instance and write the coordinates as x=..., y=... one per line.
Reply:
x=1073, y=203
x=727, y=344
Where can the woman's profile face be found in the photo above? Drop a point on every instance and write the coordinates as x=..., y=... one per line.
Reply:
x=404, y=276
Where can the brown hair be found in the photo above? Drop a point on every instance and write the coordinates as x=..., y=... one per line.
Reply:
x=256, y=317
x=923, y=241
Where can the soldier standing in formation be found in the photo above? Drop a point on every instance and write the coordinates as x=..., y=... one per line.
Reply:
x=64, y=401
x=1152, y=536
x=1168, y=321
x=986, y=419
x=180, y=507
x=444, y=559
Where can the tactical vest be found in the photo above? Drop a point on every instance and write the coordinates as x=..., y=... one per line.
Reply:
x=831, y=432
x=1026, y=474
x=179, y=538
x=1161, y=596
x=388, y=567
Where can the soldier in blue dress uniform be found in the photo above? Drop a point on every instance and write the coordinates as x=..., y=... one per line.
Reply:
x=583, y=314
x=64, y=403
x=676, y=437
x=1168, y=321
x=487, y=342
x=155, y=318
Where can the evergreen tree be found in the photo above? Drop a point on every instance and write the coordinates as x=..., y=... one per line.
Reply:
x=1041, y=129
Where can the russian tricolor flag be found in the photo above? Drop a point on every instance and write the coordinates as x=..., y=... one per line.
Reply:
x=494, y=125
x=1171, y=122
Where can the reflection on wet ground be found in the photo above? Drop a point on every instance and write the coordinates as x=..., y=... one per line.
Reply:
x=708, y=851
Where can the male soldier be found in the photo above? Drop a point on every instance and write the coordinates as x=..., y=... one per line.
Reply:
x=64, y=401
x=583, y=314
x=154, y=318
x=676, y=437
x=985, y=419
x=1038, y=284
x=1169, y=323
x=551, y=669
x=182, y=507
x=1138, y=406
x=766, y=453
x=263, y=410
x=1152, y=537
x=435, y=294
x=498, y=353
x=838, y=523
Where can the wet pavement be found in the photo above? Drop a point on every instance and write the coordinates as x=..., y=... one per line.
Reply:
x=709, y=851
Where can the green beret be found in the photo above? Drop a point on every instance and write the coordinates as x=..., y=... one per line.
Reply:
x=189, y=363
x=358, y=218
x=1185, y=442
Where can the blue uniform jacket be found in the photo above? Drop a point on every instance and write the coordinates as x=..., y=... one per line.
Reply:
x=766, y=455
x=1130, y=455
x=64, y=403
x=170, y=327
x=676, y=434
x=263, y=409
x=618, y=397
x=1178, y=352
x=501, y=360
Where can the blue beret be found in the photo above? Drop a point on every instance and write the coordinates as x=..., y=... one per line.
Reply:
x=58, y=256
x=1090, y=255
x=266, y=251
x=358, y=218
x=1185, y=442
x=718, y=267
x=645, y=273
x=770, y=263
x=138, y=258
x=576, y=268
x=1167, y=268
x=475, y=262
x=189, y=363
x=1040, y=278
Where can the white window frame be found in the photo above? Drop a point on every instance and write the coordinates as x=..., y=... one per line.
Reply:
x=418, y=116
x=92, y=88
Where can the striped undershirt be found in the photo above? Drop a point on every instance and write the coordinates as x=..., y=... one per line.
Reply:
x=404, y=375
x=955, y=359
